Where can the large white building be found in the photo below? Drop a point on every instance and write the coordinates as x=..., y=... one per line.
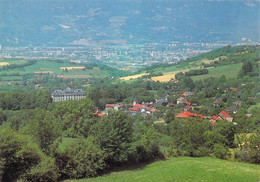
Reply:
x=68, y=94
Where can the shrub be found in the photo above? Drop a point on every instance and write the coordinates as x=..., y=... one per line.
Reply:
x=220, y=151
x=46, y=170
x=78, y=157
x=201, y=152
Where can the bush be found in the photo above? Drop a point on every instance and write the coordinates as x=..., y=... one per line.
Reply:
x=220, y=151
x=46, y=170
x=201, y=152
x=78, y=157
x=242, y=155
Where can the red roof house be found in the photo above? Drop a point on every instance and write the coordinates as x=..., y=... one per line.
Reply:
x=185, y=114
x=225, y=116
x=201, y=116
x=215, y=118
x=133, y=109
x=110, y=105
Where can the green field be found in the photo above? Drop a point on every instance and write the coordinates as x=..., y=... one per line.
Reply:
x=51, y=67
x=253, y=107
x=14, y=61
x=230, y=71
x=184, y=169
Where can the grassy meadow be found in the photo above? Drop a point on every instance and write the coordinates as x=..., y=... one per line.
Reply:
x=230, y=71
x=184, y=169
x=51, y=67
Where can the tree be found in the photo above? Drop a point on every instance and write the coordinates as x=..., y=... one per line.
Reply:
x=78, y=157
x=43, y=98
x=226, y=129
x=2, y=116
x=44, y=128
x=114, y=136
x=76, y=116
x=187, y=82
x=18, y=154
x=169, y=115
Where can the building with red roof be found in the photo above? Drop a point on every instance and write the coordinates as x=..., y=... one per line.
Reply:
x=213, y=122
x=225, y=116
x=201, y=116
x=138, y=106
x=110, y=105
x=215, y=118
x=185, y=114
x=133, y=109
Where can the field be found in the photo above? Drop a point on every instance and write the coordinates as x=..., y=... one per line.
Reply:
x=230, y=71
x=253, y=107
x=4, y=63
x=73, y=68
x=184, y=169
x=51, y=67
x=133, y=76
x=167, y=76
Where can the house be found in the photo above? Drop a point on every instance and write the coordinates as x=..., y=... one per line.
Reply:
x=188, y=94
x=225, y=116
x=248, y=115
x=214, y=118
x=182, y=100
x=238, y=103
x=216, y=102
x=171, y=104
x=163, y=101
x=114, y=106
x=233, y=89
x=37, y=86
x=232, y=109
x=185, y=114
x=135, y=101
x=186, y=108
x=201, y=116
x=110, y=106
x=68, y=94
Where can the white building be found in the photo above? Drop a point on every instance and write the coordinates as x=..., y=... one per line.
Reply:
x=68, y=94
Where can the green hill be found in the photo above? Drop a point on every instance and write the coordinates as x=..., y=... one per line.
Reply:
x=18, y=67
x=185, y=169
x=223, y=61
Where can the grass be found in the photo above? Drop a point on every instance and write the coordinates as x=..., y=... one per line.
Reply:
x=12, y=61
x=230, y=71
x=253, y=107
x=184, y=169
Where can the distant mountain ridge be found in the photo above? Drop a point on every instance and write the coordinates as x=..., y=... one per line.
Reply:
x=68, y=22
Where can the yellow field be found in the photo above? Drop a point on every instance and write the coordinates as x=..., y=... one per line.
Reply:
x=167, y=76
x=73, y=68
x=4, y=63
x=133, y=76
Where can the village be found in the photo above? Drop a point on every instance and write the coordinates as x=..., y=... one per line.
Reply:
x=182, y=106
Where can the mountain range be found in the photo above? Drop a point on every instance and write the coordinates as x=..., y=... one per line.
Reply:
x=87, y=22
